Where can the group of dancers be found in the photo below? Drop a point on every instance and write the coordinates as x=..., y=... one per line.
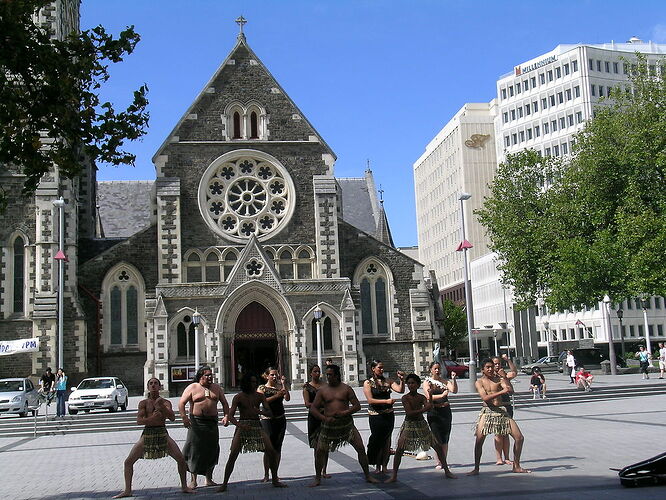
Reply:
x=261, y=424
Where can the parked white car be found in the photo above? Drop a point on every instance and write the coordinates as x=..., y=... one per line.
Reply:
x=97, y=394
x=18, y=395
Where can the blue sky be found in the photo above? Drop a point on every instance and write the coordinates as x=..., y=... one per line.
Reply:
x=377, y=79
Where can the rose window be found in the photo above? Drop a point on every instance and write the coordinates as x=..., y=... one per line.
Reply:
x=249, y=193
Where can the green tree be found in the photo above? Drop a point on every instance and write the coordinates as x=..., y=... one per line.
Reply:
x=51, y=113
x=454, y=325
x=600, y=225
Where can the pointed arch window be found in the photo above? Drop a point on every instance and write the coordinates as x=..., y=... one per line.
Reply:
x=230, y=259
x=123, y=293
x=375, y=299
x=185, y=332
x=286, y=265
x=304, y=265
x=326, y=334
x=193, y=268
x=254, y=125
x=18, y=270
x=237, y=126
x=212, y=268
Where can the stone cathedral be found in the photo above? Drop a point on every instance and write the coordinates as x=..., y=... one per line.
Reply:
x=243, y=234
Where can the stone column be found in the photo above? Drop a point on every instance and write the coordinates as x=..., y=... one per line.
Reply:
x=326, y=226
x=348, y=340
x=168, y=230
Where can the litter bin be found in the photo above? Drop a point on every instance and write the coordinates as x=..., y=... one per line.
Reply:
x=606, y=367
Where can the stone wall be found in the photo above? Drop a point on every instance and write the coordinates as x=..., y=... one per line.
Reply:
x=16, y=365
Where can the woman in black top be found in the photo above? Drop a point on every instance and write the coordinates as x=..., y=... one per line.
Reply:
x=276, y=393
x=309, y=392
x=377, y=390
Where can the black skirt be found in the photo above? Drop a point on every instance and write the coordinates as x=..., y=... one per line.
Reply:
x=440, y=420
x=275, y=428
x=314, y=424
x=381, y=428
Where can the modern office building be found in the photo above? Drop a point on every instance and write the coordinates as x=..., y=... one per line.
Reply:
x=461, y=158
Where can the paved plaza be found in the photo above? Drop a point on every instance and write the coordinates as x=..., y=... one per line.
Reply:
x=569, y=448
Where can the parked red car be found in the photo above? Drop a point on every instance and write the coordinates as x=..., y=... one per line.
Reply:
x=462, y=371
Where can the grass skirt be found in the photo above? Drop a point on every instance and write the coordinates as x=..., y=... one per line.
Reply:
x=416, y=435
x=155, y=442
x=336, y=434
x=251, y=439
x=496, y=421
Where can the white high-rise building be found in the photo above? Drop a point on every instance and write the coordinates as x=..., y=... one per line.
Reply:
x=461, y=158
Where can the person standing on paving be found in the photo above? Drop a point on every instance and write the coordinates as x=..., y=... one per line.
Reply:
x=644, y=359
x=502, y=443
x=154, y=442
x=662, y=359
x=571, y=365
x=202, y=445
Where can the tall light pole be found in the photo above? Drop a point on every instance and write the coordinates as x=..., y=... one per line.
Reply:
x=609, y=329
x=464, y=245
x=61, y=258
x=644, y=303
x=620, y=314
x=318, y=313
x=196, y=319
x=546, y=327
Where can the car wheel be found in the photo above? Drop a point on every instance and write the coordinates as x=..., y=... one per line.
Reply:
x=114, y=406
x=25, y=411
x=123, y=406
x=72, y=411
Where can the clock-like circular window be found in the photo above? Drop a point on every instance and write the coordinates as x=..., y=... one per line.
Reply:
x=246, y=192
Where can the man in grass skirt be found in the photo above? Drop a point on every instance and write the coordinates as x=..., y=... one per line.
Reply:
x=337, y=424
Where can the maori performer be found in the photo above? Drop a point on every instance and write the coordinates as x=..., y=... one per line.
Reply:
x=250, y=436
x=310, y=390
x=154, y=442
x=493, y=418
x=377, y=390
x=415, y=434
x=502, y=442
x=337, y=428
x=437, y=389
x=202, y=445
x=276, y=393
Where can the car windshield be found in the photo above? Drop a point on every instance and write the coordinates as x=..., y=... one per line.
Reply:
x=95, y=383
x=545, y=359
x=11, y=385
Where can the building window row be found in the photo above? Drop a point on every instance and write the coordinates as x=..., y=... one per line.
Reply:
x=544, y=103
x=547, y=127
x=541, y=79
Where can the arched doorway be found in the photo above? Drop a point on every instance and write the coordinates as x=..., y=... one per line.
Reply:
x=255, y=345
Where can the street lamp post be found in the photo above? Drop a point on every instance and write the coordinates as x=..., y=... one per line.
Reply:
x=464, y=245
x=609, y=329
x=60, y=257
x=495, y=339
x=318, y=314
x=196, y=319
x=546, y=327
x=620, y=314
x=644, y=303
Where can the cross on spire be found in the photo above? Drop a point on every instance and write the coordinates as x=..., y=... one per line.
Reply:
x=381, y=195
x=241, y=21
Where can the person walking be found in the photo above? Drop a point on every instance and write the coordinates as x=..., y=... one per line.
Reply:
x=60, y=388
x=275, y=425
x=310, y=390
x=662, y=359
x=571, y=365
x=377, y=390
x=644, y=359
x=437, y=389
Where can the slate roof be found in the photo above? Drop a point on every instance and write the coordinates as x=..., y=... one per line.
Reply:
x=124, y=207
x=357, y=208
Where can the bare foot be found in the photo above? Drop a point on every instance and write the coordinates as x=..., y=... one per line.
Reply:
x=192, y=485
x=438, y=466
x=519, y=470
x=391, y=479
x=499, y=462
x=222, y=488
x=450, y=475
x=371, y=479
x=508, y=462
x=123, y=494
x=473, y=472
x=278, y=484
x=265, y=479
x=187, y=490
x=210, y=482
x=316, y=483
x=326, y=476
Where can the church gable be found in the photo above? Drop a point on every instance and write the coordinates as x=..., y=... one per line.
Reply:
x=243, y=103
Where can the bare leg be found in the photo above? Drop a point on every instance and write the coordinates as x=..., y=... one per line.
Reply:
x=385, y=454
x=128, y=468
x=442, y=451
x=397, y=458
x=499, y=447
x=175, y=453
x=266, y=468
x=505, y=449
x=234, y=450
x=478, y=447
x=209, y=478
x=193, y=481
x=357, y=443
x=320, y=456
x=273, y=460
x=518, y=440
